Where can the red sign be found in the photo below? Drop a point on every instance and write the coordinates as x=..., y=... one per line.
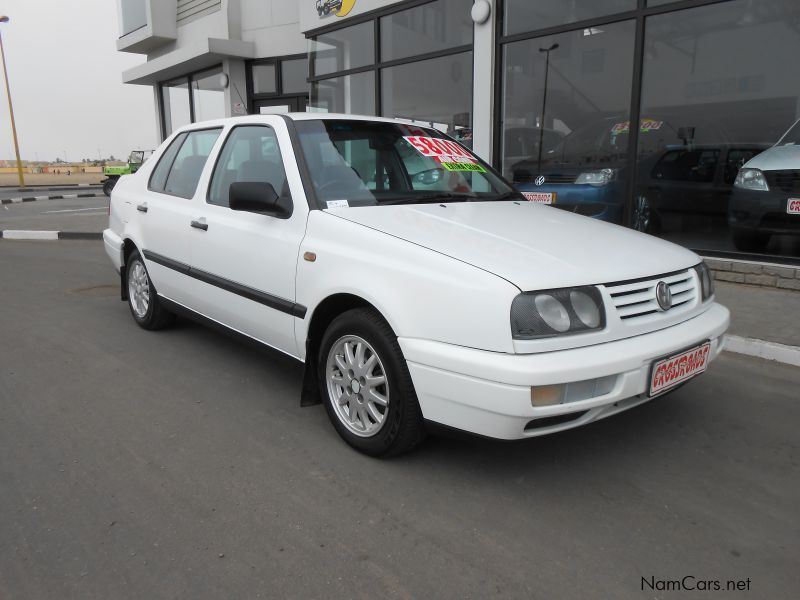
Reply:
x=793, y=206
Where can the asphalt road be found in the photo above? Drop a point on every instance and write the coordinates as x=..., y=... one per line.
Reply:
x=66, y=214
x=179, y=464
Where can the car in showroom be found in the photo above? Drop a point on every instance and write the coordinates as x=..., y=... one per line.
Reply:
x=449, y=300
x=766, y=196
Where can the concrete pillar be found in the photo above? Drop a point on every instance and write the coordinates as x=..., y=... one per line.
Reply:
x=236, y=92
x=483, y=82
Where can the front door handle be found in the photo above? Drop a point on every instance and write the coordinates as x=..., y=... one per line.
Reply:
x=200, y=224
x=142, y=207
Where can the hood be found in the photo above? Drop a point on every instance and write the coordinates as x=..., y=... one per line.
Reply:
x=531, y=245
x=777, y=158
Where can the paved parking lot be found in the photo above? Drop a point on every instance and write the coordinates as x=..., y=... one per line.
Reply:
x=179, y=464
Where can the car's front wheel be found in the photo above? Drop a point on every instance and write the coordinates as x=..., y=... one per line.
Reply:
x=367, y=389
x=146, y=308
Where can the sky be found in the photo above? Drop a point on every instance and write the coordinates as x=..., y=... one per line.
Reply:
x=66, y=83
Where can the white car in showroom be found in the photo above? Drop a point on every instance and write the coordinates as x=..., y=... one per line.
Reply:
x=415, y=284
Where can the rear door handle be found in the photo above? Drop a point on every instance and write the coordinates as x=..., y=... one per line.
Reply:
x=142, y=207
x=200, y=224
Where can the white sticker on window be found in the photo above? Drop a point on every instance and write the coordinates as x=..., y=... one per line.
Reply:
x=337, y=204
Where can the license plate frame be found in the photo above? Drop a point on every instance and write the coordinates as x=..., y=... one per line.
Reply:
x=653, y=390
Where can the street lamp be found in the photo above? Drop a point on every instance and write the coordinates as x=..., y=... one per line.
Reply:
x=547, y=51
x=5, y=19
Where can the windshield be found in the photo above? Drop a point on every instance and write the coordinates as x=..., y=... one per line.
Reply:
x=368, y=163
x=792, y=136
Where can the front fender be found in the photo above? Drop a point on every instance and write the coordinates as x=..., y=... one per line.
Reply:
x=421, y=293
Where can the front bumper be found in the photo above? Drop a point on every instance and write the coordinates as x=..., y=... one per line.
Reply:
x=762, y=212
x=598, y=202
x=489, y=393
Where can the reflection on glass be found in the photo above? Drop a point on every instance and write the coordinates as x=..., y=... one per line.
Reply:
x=133, y=15
x=264, y=79
x=351, y=94
x=569, y=147
x=717, y=81
x=293, y=76
x=447, y=106
x=427, y=28
x=343, y=49
x=208, y=95
x=175, y=102
x=528, y=15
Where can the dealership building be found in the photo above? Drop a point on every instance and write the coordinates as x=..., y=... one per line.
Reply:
x=545, y=90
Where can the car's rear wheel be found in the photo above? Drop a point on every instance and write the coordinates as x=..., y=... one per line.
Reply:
x=108, y=186
x=750, y=241
x=146, y=308
x=366, y=387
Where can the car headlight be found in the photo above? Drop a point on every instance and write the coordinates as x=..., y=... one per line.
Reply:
x=751, y=179
x=600, y=177
x=706, y=280
x=556, y=312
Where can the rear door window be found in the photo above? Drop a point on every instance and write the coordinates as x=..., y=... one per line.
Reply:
x=159, y=176
x=189, y=162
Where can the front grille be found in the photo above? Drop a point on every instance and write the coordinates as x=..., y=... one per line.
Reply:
x=636, y=300
x=548, y=179
x=787, y=181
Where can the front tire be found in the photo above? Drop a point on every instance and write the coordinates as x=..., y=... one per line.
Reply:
x=146, y=308
x=366, y=387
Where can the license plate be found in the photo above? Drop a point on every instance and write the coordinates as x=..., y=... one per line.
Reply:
x=541, y=197
x=673, y=370
x=793, y=206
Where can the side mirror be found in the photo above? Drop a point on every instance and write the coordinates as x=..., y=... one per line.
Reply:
x=258, y=197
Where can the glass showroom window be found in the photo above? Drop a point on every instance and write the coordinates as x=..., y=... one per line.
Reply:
x=208, y=95
x=447, y=106
x=527, y=15
x=264, y=79
x=353, y=94
x=133, y=15
x=343, y=49
x=716, y=91
x=566, y=118
x=428, y=28
x=175, y=104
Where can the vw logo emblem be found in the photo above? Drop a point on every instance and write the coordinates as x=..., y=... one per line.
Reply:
x=663, y=296
x=539, y=180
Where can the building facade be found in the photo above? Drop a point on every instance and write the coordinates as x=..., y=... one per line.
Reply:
x=546, y=90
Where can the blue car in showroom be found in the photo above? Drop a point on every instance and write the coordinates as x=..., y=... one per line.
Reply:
x=586, y=172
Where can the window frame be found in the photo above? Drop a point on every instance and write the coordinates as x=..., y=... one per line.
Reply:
x=219, y=157
x=375, y=16
x=189, y=79
x=188, y=132
x=279, y=93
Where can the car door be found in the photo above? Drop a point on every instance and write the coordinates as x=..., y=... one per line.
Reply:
x=246, y=262
x=164, y=213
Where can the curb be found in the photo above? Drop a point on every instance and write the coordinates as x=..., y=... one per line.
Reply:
x=48, y=187
x=55, y=197
x=788, y=355
x=21, y=234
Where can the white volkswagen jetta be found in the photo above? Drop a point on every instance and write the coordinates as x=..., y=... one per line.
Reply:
x=413, y=281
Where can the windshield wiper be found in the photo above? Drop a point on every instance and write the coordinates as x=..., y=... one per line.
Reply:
x=431, y=198
x=512, y=195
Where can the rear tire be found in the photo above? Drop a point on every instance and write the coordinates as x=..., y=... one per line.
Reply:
x=108, y=185
x=750, y=241
x=146, y=308
x=366, y=387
